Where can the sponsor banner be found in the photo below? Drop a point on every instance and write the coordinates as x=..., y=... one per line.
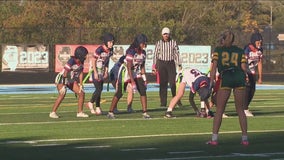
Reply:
x=25, y=58
x=191, y=56
x=197, y=57
x=64, y=52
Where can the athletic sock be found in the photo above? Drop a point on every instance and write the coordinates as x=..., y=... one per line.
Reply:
x=169, y=110
x=214, y=137
x=244, y=138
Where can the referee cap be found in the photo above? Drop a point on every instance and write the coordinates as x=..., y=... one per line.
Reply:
x=166, y=30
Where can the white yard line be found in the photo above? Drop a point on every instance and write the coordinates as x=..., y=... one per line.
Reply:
x=127, y=137
x=232, y=155
x=137, y=149
x=89, y=147
x=100, y=120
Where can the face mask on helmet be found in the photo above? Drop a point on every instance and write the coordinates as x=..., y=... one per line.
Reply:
x=81, y=53
x=256, y=38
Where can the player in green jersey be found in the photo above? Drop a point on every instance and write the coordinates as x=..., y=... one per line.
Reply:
x=231, y=63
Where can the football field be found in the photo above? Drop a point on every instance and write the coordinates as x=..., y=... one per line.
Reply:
x=27, y=133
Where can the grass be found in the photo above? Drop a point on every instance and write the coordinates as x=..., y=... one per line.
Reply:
x=26, y=131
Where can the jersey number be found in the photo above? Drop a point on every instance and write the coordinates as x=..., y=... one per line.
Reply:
x=228, y=60
x=195, y=72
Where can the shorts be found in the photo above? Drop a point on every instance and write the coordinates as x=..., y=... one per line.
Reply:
x=233, y=79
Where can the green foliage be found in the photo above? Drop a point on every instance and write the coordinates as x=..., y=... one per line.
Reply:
x=191, y=22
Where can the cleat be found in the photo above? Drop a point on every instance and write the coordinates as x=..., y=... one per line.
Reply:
x=244, y=143
x=91, y=107
x=115, y=110
x=130, y=110
x=110, y=115
x=169, y=115
x=248, y=113
x=212, y=143
x=82, y=115
x=99, y=111
x=146, y=116
x=225, y=116
x=53, y=115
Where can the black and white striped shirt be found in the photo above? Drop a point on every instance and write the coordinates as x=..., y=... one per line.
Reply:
x=166, y=51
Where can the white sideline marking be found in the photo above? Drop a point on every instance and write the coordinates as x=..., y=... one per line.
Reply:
x=47, y=145
x=222, y=156
x=138, y=136
x=84, y=147
x=185, y=152
x=251, y=155
x=52, y=121
x=137, y=149
x=17, y=142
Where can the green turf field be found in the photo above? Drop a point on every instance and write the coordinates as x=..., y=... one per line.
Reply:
x=27, y=133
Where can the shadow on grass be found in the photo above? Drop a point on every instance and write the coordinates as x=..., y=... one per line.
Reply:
x=263, y=145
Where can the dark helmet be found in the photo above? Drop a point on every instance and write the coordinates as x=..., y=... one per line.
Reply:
x=255, y=37
x=108, y=37
x=81, y=53
x=204, y=93
x=141, y=38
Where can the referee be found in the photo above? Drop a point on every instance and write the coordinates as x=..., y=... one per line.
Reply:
x=166, y=58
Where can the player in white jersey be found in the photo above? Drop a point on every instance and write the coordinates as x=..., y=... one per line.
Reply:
x=197, y=81
x=254, y=56
x=133, y=74
x=71, y=77
x=100, y=64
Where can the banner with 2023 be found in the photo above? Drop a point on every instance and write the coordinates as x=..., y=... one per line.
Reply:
x=13, y=58
x=190, y=56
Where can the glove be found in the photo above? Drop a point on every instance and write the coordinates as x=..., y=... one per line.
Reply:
x=63, y=90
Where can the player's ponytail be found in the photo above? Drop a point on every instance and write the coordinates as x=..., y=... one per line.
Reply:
x=227, y=38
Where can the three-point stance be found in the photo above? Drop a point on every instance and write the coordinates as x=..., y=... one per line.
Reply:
x=197, y=82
